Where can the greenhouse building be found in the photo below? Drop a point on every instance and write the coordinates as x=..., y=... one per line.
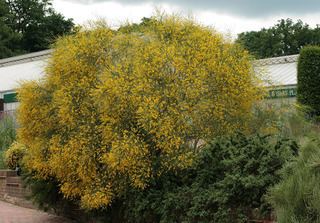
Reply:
x=14, y=71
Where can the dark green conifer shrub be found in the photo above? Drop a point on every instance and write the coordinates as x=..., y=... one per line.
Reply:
x=228, y=183
x=309, y=79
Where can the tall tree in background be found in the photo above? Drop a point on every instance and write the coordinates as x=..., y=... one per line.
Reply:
x=284, y=38
x=8, y=38
x=29, y=25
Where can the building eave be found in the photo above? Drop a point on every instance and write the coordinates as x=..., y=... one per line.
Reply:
x=277, y=60
x=25, y=58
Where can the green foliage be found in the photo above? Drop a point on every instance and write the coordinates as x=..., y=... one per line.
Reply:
x=284, y=38
x=2, y=163
x=46, y=195
x=309, y=79
x=14, y=155
x=7, y=132
x=282, y=120
x=9, y=40
x=297, y=197
x=29, y=25
x=134, y=27
x=227, y=184
x=7, y=136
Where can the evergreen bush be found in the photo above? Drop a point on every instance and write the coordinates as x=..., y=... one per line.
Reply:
x=297, y=197
x=228, y=184
x=309, y=79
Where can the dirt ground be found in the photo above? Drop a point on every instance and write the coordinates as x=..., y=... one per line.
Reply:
x=10, y=213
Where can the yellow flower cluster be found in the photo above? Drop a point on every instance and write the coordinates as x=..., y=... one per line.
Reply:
x=119, y=108
x=14, y=155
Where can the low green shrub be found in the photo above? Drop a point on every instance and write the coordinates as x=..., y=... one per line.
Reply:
x=228, y=183
x=286, y=121
x=46, y=194
x=7, y=136
x=297, y=197
x=7, y=132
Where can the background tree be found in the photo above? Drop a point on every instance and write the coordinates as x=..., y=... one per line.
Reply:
x=284, y=38
x=9, y=40
x=116, y=109
x=30, y=25
x=137, y=27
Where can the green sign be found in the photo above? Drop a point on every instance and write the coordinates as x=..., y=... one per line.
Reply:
x=282, y=93
x=9, y=98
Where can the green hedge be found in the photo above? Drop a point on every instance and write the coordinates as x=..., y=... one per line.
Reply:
x=308, y=92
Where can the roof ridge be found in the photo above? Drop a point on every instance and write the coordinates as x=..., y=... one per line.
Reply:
x=277, y=60
x=25, y=58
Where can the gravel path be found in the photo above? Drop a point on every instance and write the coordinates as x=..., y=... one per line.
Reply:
x=14, y=214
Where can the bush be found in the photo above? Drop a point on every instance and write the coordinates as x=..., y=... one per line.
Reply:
x=118, y=109
x=14, y=155
x=46, y=194
x=287, y=121
x=309, y=79
x=7, y=132
x=297, y=197
x=228, y=183
x=2, y=163
x=7, y=136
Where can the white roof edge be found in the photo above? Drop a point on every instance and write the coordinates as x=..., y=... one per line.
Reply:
x=46, y=53
x=277, y=60
x=25, y=58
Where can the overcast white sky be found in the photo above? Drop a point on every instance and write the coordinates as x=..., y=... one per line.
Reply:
x=227, y=16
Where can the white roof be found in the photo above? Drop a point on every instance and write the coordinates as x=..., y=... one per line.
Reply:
x=14, y=70
x=278, y=71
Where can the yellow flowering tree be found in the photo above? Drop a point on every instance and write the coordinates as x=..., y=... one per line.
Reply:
x=118, y=108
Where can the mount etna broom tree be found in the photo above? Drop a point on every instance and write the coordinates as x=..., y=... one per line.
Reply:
x=117, y=109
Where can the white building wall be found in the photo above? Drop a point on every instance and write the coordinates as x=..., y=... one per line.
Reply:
x=10, y=106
